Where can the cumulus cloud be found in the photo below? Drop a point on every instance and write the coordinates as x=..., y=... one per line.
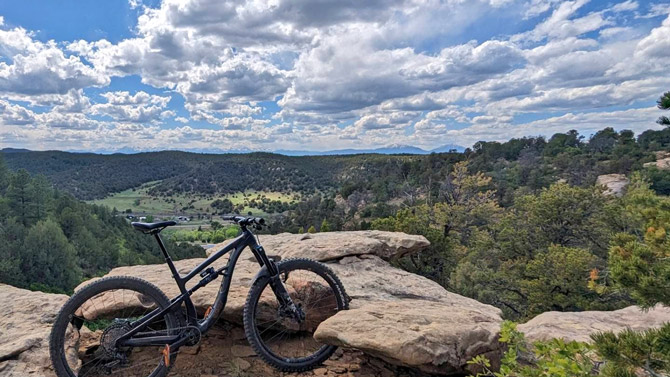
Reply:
x=387, y=120
x=75, y=121
x=12, y=114
x=140, y=107
x=331, y=74
x=657, y=44
x=139, y=98
x=588, y=123
x=330, y=79
x=561, y=24
x=36, y=68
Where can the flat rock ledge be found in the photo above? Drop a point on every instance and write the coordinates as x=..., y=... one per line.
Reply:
x=579, y=326
x=25, y=324
x=335, y=245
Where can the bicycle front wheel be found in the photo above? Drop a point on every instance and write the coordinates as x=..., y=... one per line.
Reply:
x=280, y=339
x=83, y=338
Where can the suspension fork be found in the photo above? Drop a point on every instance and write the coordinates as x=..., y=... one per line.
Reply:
x=285, y=302
x=273, y=272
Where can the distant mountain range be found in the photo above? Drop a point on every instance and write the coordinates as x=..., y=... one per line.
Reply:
x=390, y=149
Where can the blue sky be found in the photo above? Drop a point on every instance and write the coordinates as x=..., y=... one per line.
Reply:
x=213, y=75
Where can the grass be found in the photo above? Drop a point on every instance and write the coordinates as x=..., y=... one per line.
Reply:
x=139, y=201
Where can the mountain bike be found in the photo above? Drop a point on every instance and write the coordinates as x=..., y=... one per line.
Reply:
x=127, y=326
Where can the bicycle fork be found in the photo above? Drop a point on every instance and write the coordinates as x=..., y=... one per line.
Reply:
x=286, y=305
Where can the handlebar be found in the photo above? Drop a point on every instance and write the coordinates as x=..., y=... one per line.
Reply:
x=244, y=221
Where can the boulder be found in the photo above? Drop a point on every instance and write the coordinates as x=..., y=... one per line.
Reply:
x=406, y=319
x=661, y=164
x=335, y=245
x=409, y=320
x=433, y=336
x=579, y=326
x=25, y=324
x=662, y=161
x=615, y=183
x=662, y=154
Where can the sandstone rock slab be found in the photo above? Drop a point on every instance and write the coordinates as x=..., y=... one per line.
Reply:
x=369, y=278
x=579, y=326
x=335, y=245
x=25, y=324
x=409, y=320
x=662, y=161
x=433, y=336
x=615, y=183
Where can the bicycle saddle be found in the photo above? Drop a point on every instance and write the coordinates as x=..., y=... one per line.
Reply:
x=147, y=227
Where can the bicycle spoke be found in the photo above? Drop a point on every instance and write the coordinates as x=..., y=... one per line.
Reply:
x=281, y=333
x=106, y=316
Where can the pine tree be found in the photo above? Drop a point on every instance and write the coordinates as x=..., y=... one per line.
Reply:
x=641, y=267
x=325, y=227
x=19, y=196
x=5, y=175
x=49, y=257
x=311, y=229
x=41, y=195
x=664, y=104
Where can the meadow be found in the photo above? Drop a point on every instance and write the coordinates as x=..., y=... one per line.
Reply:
x=140, y=202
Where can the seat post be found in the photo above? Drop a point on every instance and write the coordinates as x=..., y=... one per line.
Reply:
x=161, y=245
x=168, y=260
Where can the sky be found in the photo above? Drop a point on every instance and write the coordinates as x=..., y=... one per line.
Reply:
x=315, y=75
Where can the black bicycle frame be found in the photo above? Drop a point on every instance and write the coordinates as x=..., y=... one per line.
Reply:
x=135, y=337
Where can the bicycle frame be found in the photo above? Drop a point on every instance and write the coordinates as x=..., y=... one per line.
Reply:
x=136, y=338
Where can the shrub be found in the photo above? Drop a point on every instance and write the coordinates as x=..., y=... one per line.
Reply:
x=554, y=358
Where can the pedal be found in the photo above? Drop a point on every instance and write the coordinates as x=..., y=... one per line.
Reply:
x=166, y=355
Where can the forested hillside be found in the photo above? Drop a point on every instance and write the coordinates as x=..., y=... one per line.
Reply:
x=90, y=176
x=520, y=225
x=527, y=162
x=53, y=241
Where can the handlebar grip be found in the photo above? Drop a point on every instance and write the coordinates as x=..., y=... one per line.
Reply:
x=241, y=220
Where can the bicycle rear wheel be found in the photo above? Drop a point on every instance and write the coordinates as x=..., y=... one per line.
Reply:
x=83, y=338
x=277, y=337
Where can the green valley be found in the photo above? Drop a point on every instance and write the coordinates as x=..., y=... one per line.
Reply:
x=141, y=201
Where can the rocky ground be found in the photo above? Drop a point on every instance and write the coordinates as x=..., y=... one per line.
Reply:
x=224, y=351
x=399, y=324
